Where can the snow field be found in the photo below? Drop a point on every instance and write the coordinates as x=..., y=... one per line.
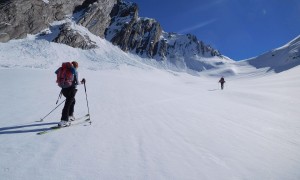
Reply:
x=152, y=124
x=148, y=122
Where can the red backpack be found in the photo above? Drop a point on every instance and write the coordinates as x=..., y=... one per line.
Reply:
x=65, y=75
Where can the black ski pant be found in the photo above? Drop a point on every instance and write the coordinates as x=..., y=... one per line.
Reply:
x=222, y=85
x=68, y=109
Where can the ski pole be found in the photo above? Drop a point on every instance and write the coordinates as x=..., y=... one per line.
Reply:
x=50, y=112
x=87, y=103
x=59, y=96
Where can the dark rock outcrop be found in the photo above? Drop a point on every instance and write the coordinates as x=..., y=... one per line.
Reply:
x=73, y=38
x=19, y=18
x=96, y=16
x=131, y=33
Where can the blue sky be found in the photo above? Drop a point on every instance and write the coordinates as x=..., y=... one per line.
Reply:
x=239, y=29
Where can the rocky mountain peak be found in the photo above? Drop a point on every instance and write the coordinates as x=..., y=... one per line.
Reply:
x=115, y=20
x=145, y=37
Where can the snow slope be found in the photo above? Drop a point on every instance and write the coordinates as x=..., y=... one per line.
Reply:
x=147, y=123
x=280, y=59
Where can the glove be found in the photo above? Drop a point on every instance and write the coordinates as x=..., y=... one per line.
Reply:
x=83, y=81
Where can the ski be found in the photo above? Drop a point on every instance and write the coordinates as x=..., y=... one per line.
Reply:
x=76, y=122
x=54, y=128
x=82, y=117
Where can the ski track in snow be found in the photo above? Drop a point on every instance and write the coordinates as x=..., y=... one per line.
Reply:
x=147, y=123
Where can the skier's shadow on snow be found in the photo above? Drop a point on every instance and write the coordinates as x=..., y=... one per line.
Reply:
x=19, y=129
x=213, y=89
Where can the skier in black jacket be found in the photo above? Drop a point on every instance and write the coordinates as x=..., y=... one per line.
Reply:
x=222, y=81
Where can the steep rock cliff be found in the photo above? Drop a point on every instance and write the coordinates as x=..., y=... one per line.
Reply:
x=96, y=16
x=19, y=18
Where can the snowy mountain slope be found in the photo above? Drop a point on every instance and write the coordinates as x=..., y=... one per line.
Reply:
x=37, y=52
x=280, y=59
x=48, y=53
x=147, y=123
x=83, y=22
x=115, y=20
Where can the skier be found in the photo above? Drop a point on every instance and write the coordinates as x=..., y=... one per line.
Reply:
x=69, y=93
x=222, y=81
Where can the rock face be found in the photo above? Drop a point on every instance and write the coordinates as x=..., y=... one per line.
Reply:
x=73, y=38
x=131, y=33
x=96, y=16
x=19, y=18
x=145, y=37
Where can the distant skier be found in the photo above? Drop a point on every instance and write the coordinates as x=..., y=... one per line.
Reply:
x=67, y=79
x=222, y=81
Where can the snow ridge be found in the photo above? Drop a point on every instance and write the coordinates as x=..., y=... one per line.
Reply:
x=279, y=59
